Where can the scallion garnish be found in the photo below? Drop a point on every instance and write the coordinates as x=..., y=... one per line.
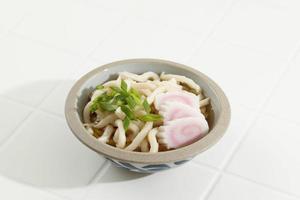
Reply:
x=150, y=117
x=127, y=100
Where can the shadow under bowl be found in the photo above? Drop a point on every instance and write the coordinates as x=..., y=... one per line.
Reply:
x=218, y=120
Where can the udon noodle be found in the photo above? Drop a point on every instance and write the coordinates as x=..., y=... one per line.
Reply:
x=125, y=112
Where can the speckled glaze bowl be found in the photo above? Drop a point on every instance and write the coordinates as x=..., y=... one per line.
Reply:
x=219, y=115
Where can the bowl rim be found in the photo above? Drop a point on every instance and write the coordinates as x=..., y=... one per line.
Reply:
x=183, y=153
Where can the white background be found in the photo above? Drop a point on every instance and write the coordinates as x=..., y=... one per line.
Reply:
x=249, y=47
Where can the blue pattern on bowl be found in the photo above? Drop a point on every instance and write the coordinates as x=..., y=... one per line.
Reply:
x=146, y=168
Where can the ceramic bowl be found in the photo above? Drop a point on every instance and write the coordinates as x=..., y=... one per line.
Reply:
x=219, y=115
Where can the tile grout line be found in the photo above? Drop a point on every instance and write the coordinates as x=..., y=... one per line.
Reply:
x=213, y=28
x=220, y=173
x=89, y=55
x=262, y=106
x=13, y=33
x=101, y=171
x=8, y=31
x=202, y=164
x=212, y=186
x=98, y=175
x=33, y=110
x=269, y=187
x=257, y=114
x=56, y=195
x=253, y=49
x=44, y=44
x=272, y=115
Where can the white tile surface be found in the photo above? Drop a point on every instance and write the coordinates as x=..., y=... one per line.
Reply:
x=46, y=45
x=75, y=26
x=194, y=15
x=217, y=155
x=236, y=189
x=55, y=102
x=9, y=119
x=11, y=190
x=87, y=66
x=245, y=75
x=13, y=11
x=143, y=38
x=29, y=71
x=49, y=154
x=270, y=155
x=124, y=7
x=267, y=25
x=186, y=182
x=287, y=91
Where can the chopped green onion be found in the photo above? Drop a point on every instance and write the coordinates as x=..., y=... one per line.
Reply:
x=130, y=101
x=116, y=89
x=128, y=112
x=150, y=117
x=146, y=106
x=108, y=106
x=94, y=107
x=126, y=123
x=121, y=97
x=136, y=96
x=119, y=100
x=99, y=87
x=134, y=92
x=123, y=85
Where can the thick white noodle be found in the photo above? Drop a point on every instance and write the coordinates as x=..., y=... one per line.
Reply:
x=145, y=92
x=96, y=94
x=113, y=83
x=128, y=83
x=170, y=83
x=86, y=110
x=88, y=128
x=120, y=114
x=108, y=131
x=133, y=128
x=139, y=123
x=86, y=113
x=204, y=102
x=144, y=145
x=121, y=142
x=140, y=113
x=153, y=141
x=140, y=136
x=116, y=136
x=109, y=119
x=139, y=78
x=181, y=79
x=156, y=92
x=159, y=90
x=144, y=85
x=161, y=132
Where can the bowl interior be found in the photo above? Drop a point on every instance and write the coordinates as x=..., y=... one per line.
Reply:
x=219, y=111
